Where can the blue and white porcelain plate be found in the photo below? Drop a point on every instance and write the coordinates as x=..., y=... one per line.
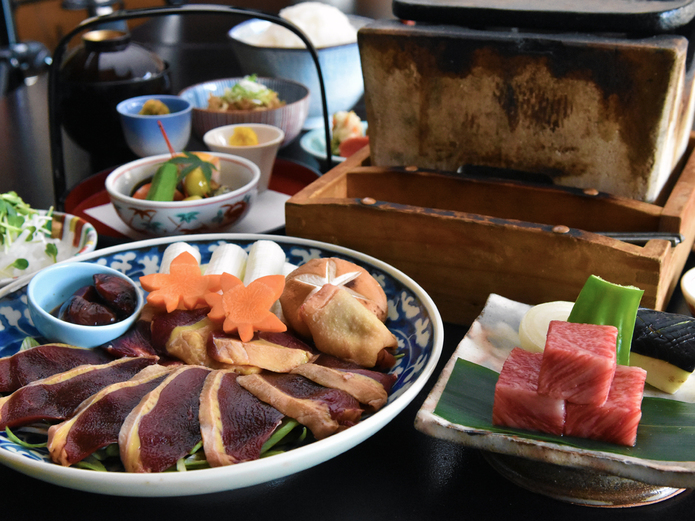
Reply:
x=413, y=318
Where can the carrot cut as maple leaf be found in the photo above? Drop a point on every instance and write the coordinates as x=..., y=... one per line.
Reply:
x=246, y=309
x=184, y=287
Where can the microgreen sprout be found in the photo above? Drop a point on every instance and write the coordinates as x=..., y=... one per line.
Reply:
x=25, y=236
x=52, y=251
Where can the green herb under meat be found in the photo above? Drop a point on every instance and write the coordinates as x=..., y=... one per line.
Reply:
x=289, y=435
x=23, y=443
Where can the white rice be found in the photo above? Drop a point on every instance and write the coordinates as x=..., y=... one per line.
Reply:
x=324, y=25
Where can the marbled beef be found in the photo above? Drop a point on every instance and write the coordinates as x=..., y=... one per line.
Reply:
x=578, y=362
x=517, y=402
x=615, y=421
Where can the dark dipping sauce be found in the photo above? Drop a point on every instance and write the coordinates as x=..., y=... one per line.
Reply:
x=109, y=300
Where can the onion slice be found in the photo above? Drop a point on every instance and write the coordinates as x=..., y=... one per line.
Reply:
x=534, y=324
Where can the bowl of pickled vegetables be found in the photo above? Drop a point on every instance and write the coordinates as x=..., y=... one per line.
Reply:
x=271, y=101
x=185, y=193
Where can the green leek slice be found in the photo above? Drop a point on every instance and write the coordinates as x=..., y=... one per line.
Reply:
x=603, y=303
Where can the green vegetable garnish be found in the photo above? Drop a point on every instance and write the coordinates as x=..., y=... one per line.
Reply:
x=19, y=264
x=52, y=251
x=91, y=463
x=12, y=437
x=604, y=303
x=250, y=90
x=170, y=174
x=283, y=430
x=14, y=214
x=28, y=343
x=20, y=228
x=190, y=162
x=164, y=183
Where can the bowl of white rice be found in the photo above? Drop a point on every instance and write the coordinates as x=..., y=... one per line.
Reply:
x=46, y=238
x=268, y=49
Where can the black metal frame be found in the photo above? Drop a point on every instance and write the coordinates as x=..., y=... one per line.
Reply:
x=54, y=112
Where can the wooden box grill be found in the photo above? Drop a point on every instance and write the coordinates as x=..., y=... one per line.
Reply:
x=462, y=238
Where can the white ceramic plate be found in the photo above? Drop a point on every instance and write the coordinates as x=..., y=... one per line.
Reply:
x=77, y=237
x=314, y=142
x=413, y=318
x=486, y=345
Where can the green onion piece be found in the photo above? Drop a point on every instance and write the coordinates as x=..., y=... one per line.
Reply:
x=28, y=343
x=195, y=459
x=196, y=447
x=91, y=463
x=196, y=462
x=12, y=437
x=111, y=451
x=603, y=303
x=283, y=430
x=104, y=453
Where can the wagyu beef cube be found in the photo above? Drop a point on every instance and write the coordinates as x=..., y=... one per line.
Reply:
x=616, y=420
x=517, y=402
x=578, y=362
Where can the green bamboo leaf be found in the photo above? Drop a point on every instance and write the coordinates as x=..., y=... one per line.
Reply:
x=666, y=431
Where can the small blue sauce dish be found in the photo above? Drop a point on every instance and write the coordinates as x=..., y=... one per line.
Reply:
x=51, y=287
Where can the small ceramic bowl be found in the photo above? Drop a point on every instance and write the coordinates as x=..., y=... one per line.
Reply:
x=263, y=154
x=290, y=117
x=161, y=218
x=340, y=66
x=142, y=132
x=688, y=288
x=52, y=286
